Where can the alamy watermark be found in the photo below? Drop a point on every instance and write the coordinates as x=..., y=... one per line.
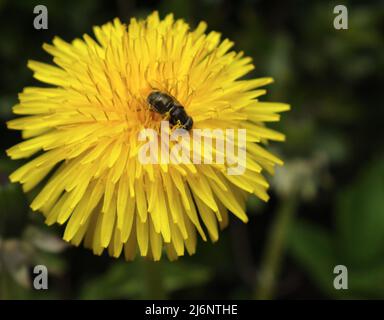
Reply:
x=40, y=281
x=341, y=280
x=341, y=20
x=41, y=20
x=207, y=146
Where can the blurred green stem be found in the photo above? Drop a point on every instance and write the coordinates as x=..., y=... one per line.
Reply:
x=154, y=280
x=274, y=249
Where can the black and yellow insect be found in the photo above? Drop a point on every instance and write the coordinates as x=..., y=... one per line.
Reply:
x=163, y=104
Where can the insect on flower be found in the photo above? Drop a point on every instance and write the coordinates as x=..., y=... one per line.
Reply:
x=163, y=103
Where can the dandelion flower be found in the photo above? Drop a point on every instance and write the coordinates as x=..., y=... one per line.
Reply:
x=82, y=132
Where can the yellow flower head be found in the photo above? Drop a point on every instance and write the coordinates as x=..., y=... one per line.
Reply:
x=83, y=132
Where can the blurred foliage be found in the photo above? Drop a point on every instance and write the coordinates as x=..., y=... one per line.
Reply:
x=126, y=281
x=357, y=240
x=333, y=80
x=20, y=255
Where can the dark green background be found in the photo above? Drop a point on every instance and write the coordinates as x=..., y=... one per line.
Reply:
x=328, y=200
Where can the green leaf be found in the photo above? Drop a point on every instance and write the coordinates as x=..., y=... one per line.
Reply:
x=312, y=247
x=368, y=282
x=121, y=280
x=360, y=217
x=358, y=242
x=128, y=279
x=181, y=275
